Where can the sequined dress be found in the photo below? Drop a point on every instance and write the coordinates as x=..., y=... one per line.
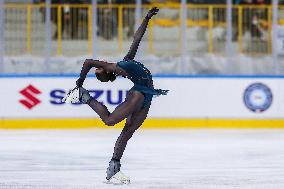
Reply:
x=142, y=79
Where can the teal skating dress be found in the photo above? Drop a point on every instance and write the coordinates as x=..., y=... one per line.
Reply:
x=142, y=79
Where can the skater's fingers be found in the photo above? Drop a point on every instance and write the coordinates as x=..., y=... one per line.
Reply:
x=155, y=10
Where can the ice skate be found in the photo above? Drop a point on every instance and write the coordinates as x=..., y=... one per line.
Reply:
x=114, y=175
x=76, y=95
x=119, y=176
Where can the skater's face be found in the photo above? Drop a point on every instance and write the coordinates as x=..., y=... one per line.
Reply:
x=103, y=76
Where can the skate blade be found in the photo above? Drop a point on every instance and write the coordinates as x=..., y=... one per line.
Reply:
x=113, y=182
x=119, y=179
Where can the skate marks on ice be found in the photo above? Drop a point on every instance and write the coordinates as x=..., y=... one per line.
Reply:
x=211, y=159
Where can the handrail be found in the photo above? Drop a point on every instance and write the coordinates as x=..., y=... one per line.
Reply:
x=214, y=17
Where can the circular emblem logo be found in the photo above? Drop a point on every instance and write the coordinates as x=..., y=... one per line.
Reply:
x=258, y=97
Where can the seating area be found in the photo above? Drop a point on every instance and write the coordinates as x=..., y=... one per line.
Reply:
x=206, y=25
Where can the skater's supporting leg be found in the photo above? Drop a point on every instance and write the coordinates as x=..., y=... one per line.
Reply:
x=133, y=122
x=134, y=101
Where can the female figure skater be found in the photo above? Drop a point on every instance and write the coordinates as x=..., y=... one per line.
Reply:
x=137, y=103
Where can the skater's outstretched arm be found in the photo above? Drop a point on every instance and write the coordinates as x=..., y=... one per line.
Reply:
x=139, y=34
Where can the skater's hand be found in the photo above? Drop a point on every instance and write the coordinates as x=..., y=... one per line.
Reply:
x=79, y=82
x=152, y=12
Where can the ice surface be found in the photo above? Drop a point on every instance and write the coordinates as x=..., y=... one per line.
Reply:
x=166, y=159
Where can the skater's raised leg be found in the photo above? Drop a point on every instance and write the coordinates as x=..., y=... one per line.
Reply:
x=133, y=102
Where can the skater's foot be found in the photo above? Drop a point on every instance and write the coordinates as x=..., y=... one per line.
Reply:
x=78, y=94
x=84, y=95
x=114, y=173
x=113, y=168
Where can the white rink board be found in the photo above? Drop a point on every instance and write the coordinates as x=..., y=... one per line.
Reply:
x=188, y=97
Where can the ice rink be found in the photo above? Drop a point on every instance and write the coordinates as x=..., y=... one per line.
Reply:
x=155, y=159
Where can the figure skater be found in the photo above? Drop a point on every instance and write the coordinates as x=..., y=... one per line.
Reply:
x=137, y=103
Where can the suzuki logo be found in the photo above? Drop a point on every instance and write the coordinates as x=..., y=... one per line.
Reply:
x=29, y=92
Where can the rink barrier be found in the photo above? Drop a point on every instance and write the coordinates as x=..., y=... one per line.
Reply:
x=207, y=102
x=152, y=123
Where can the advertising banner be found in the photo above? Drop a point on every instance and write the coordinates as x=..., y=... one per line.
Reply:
x=40, y=97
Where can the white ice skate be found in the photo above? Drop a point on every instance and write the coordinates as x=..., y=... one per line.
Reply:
x=118, y=179
x=72, y=96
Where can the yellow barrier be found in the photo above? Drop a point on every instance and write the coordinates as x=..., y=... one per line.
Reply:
x=148, y=124
x=74, y=22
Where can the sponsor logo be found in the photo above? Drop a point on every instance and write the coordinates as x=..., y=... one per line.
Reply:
x=258, y=97
x=30, y=100
x=108, y=97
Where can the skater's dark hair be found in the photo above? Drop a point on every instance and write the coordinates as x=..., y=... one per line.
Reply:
x=105, y=77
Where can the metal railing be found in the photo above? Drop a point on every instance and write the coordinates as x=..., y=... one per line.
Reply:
x=72, y=29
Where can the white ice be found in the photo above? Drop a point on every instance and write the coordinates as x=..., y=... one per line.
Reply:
x=156, y=159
